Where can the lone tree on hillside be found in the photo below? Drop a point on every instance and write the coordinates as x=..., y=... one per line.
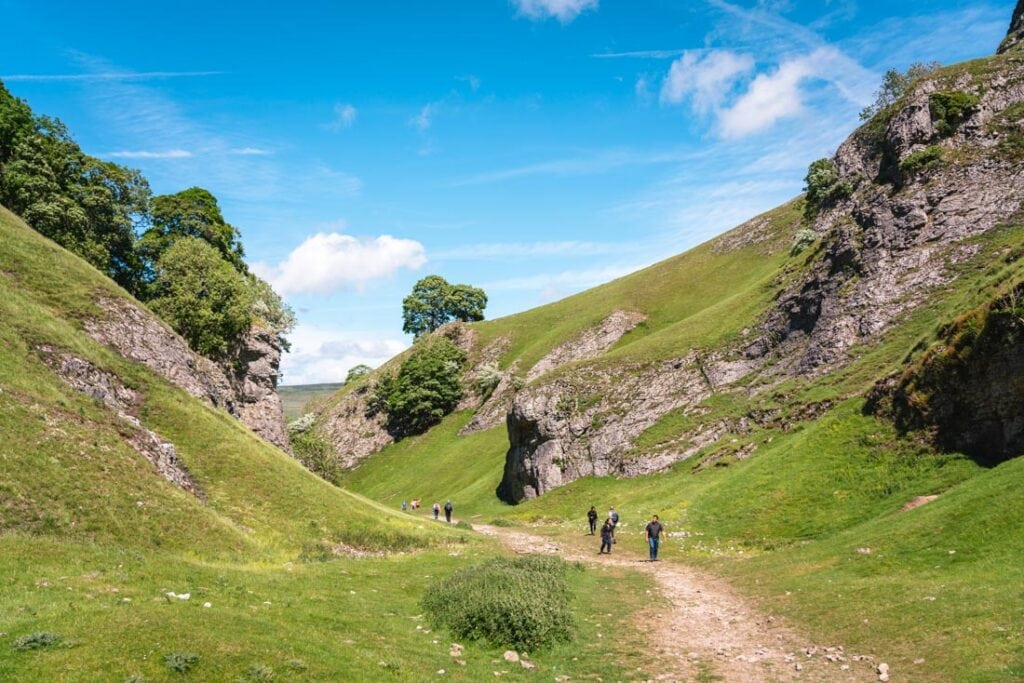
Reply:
x=434, y=301
x=191, y=213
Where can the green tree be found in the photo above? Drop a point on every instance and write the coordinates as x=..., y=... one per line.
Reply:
x=202, y=296
x=191, y=213
x=270, y=310
x=434, y=301
x=895, y=85
x=356, y=372
x=424, y=390
x=86, y=205
x=823, y=187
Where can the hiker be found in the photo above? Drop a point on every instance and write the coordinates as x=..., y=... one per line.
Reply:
x=614, y=516
x=607, y=536
x=592, y=518
x=416, y=504
x=653, y=535
x=437, y=510
x=403, y=506
x=448, y=507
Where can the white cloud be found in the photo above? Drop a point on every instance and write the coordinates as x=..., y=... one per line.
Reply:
x=321, y=354
x=109, y=76
x=251, y=151
x=707, y=79
x=150, y=154
x=326, y=262
x=344, y=116
x=563, y=10
x=425, y=118
x=779, y=94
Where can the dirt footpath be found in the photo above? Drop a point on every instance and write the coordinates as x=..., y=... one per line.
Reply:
x=703, y=630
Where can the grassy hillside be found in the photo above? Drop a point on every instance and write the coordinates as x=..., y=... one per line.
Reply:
x=785, y=522
x=92, y=538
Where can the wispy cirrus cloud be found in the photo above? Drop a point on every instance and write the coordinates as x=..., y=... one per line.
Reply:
x=519, y=250
x=109, y=76
x=562, y=10
x=641, y=54
x=150, y=154
x=706, y=78
x=423, y=120
x=345, y=115
x=251, y=151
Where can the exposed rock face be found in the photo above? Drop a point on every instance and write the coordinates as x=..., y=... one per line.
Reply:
x=590, y=343
x=968, y=392
x=571, y=428
x=352, y=430
x=86, y=378
x=1016, y=33
x=247, y=390
x=884, y=251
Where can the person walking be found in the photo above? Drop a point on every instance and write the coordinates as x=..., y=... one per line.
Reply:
x=403, y=506
x=592, y=519
x=448, y=507
x=653, y=535
x=614, y=516
x=607, y=536
x=437, y=510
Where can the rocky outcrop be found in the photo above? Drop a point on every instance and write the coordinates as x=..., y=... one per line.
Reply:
x=245, y=386
x=590, y=343
x=966, y=393
x=921, y=184
x=353, y=430
x=1016, y=34
x=584, y=424
x=86, y=378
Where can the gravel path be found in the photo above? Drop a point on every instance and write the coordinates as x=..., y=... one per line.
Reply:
x=704, y=630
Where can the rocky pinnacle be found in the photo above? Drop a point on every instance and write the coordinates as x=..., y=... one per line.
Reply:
x=1016, y=32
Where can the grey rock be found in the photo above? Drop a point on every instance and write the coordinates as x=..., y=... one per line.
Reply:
x=1016, y=34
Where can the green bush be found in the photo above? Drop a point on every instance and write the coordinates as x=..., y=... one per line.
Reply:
x=823, y=187
x=37, y=641
x=315, y=454
x=424, y=390
x=922, y=160
x=521, y=602
x=950, y=109
x=181, y=662
x=895, y=85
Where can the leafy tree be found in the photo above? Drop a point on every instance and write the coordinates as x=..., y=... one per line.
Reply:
x=424, y=390
x=895, y=85
x=270, y=310
x=202, y=296
x=434, y=301
x=89, y=206
x=356, y=372
x=823, y=186
x=191, y=213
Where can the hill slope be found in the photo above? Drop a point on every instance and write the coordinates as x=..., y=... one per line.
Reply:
x=727, y=389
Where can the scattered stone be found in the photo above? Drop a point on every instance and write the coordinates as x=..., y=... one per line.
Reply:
x=864, y=551
x=207, y=605
x=919, y=660
x=798, y=666
x=883, y=672
x=527, y=665
x=511, y=656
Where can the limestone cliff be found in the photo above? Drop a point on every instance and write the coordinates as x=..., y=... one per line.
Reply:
x=920, y=181
x=1016, y=33
x=245, y=384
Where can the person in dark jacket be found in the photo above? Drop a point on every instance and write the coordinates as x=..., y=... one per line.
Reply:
x=592, y=519
x=448, y=507
x=653, y=534
x=607, y=536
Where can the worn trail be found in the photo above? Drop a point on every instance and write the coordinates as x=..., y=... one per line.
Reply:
x=703, y=629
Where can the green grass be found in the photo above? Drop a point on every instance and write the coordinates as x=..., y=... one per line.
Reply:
x=92, y=538
x=296, y=397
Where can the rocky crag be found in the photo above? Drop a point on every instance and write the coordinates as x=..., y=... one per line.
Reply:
x=918, y=182
x=245, y=384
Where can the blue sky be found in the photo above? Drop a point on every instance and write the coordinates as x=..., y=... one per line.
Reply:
x=531, y=147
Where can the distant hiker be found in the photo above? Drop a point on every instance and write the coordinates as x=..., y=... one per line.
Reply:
x=592, y=518
x=614, y=516
x=415, y=504
x=607, y=536
x=403, y=506
x=437, y=510
x=448, y=507
x=653, y=535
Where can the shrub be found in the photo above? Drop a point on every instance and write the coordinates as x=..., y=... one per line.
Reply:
x=301, y=425
x=488, y=377
x=425, y=389
x=316, y=455
x=895, y=85
x=804, y=238
x=950, y=109
x=36, y=641
x=355, y=372
x=181, y=662
x=521, y=602
x=823, y=187
x=922, y=159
